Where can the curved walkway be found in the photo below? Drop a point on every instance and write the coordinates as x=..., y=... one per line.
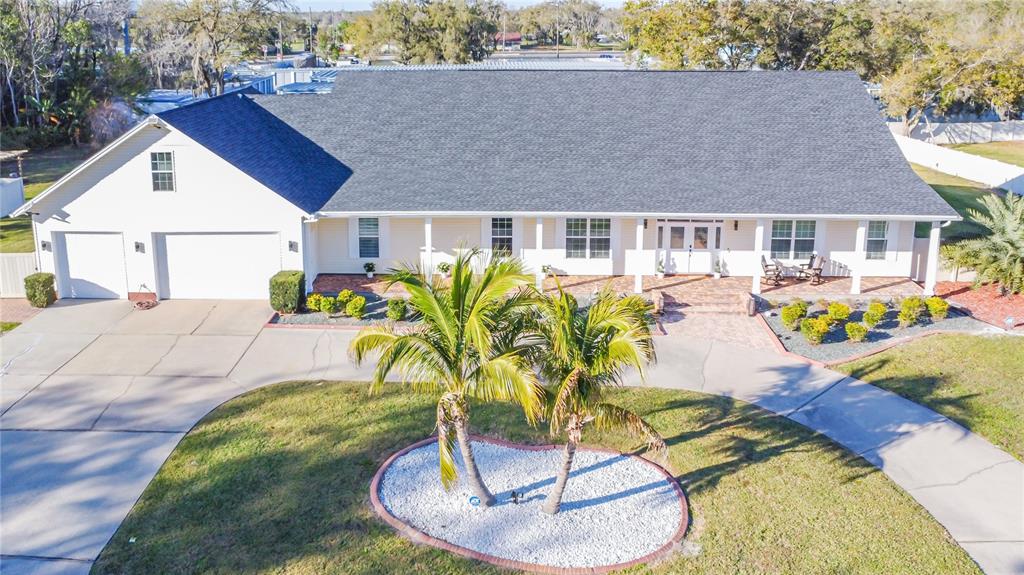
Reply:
x=95, y=396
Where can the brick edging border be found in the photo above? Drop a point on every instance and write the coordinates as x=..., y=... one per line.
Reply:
x=419, y=536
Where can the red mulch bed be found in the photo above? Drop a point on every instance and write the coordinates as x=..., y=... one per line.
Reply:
x=984, y=303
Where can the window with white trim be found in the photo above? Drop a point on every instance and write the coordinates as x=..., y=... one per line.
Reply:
x=161, y=165
x=501, y=236
x=792, y=240
x=369, y=238
x=588, y=237
x=877, y=242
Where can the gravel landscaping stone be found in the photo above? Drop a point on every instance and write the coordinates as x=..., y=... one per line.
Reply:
x=836, y=346
x=615, y=509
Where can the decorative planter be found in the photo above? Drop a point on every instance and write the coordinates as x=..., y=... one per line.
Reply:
x=369, y=275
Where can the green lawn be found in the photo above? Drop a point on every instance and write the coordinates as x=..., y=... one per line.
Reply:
x=41, y=169
x=1009, y=152
x=977, y=381
x=959, y=193
x=6, y=326
x=276, y=481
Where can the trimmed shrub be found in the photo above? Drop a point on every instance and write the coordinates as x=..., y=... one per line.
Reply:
x=329, y=305
x=39, y=289
x=792, y=314
x=313, y=301
x=287, y=291
x=838, y=312
x=856, y=331
x=345, y=296
x=875, y=313
x=396, y=309
x=815, y=329
x=910, y=311
x=356, y=307
x=938, y=308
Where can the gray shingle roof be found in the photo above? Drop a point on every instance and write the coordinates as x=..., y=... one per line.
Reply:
x=261, y=145
x=604, y=141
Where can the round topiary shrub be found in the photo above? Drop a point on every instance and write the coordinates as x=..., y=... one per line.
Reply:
x=938, y=308
x=792, y=314
x=397, y=308
x=856, y=332
x=875, y=313
x=39, y=289
x=910, y=311
x=313, y=301
x=356, y=307
x=838, y=312
x=329, y=305
x=815, y=329
x=345, y=296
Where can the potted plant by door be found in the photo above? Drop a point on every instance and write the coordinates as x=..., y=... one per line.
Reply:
x=444, y=268
x=718, y=269
x=659, y=271
x=370, y=267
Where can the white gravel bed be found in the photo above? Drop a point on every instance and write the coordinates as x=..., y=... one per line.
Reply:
x=615, y=508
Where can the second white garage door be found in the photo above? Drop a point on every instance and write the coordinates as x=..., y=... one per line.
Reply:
x=217, y=266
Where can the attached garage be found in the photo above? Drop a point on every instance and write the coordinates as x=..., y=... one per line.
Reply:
x=91, y=265
x=216, y=265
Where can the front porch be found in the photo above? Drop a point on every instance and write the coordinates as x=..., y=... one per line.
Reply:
x=728, y=294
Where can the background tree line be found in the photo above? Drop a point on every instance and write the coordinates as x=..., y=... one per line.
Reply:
x=948, y=55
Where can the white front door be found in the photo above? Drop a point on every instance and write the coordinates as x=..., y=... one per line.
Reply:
x=693, y=247
x=91, y=265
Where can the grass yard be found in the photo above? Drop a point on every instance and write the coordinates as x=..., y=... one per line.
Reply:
x=977, y=381
x=276, y=481
x=961, y=194
x=40, y=170
x=1009, y=152
x=6, y=326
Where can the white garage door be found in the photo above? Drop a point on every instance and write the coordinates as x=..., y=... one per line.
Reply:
x=93, y=266
x=218, y=266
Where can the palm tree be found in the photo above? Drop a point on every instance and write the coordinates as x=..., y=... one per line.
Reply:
x=471, y=343
x=999, y=256
x=584, y=351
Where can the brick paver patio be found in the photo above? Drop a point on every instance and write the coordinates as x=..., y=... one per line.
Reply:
x=728, y=294
x=16, y=309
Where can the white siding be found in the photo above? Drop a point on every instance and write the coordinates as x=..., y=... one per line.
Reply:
x=115, y=195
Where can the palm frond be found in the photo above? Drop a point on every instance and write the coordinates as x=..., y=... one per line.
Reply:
x=612, y=417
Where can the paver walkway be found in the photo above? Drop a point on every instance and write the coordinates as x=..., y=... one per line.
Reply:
x=95, y=396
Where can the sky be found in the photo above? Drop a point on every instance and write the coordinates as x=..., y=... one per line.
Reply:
x=366, y=4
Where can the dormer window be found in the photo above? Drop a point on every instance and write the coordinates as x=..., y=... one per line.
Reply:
x=162, y=168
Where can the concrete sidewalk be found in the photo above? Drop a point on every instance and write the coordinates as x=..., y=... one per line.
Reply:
x=95, y=396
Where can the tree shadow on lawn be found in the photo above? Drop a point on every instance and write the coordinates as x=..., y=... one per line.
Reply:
x=280, y=476
x=925, y=390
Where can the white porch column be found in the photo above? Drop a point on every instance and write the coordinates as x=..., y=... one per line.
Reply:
x=638, y=279
x=666, y=249
x=931, y=270
x=755, y=284
x=858, y=256
x=539, y=260
x=428, y=246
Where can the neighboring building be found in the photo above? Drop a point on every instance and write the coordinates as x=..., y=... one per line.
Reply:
x=608, y=173
x=508, y=41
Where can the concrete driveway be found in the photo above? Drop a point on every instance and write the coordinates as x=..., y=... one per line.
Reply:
x=96, y=395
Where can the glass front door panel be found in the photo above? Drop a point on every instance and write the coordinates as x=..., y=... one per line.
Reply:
x=700, y=238
x=677, y=241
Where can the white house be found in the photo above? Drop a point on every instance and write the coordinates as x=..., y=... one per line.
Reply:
x=609, y=173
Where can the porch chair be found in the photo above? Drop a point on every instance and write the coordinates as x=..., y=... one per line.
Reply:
x=812, y=270
x=772, y=272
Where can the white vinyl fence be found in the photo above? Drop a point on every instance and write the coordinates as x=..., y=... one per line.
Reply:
x=919, y=261
x=13, y=269
x=989, y=172
x=964, y=132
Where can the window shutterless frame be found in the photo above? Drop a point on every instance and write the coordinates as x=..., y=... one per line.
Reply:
x=161, y=167
x=369, y=238
x=588, y=238
x=877, y=240
x=793, y=239
x=501, y=236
